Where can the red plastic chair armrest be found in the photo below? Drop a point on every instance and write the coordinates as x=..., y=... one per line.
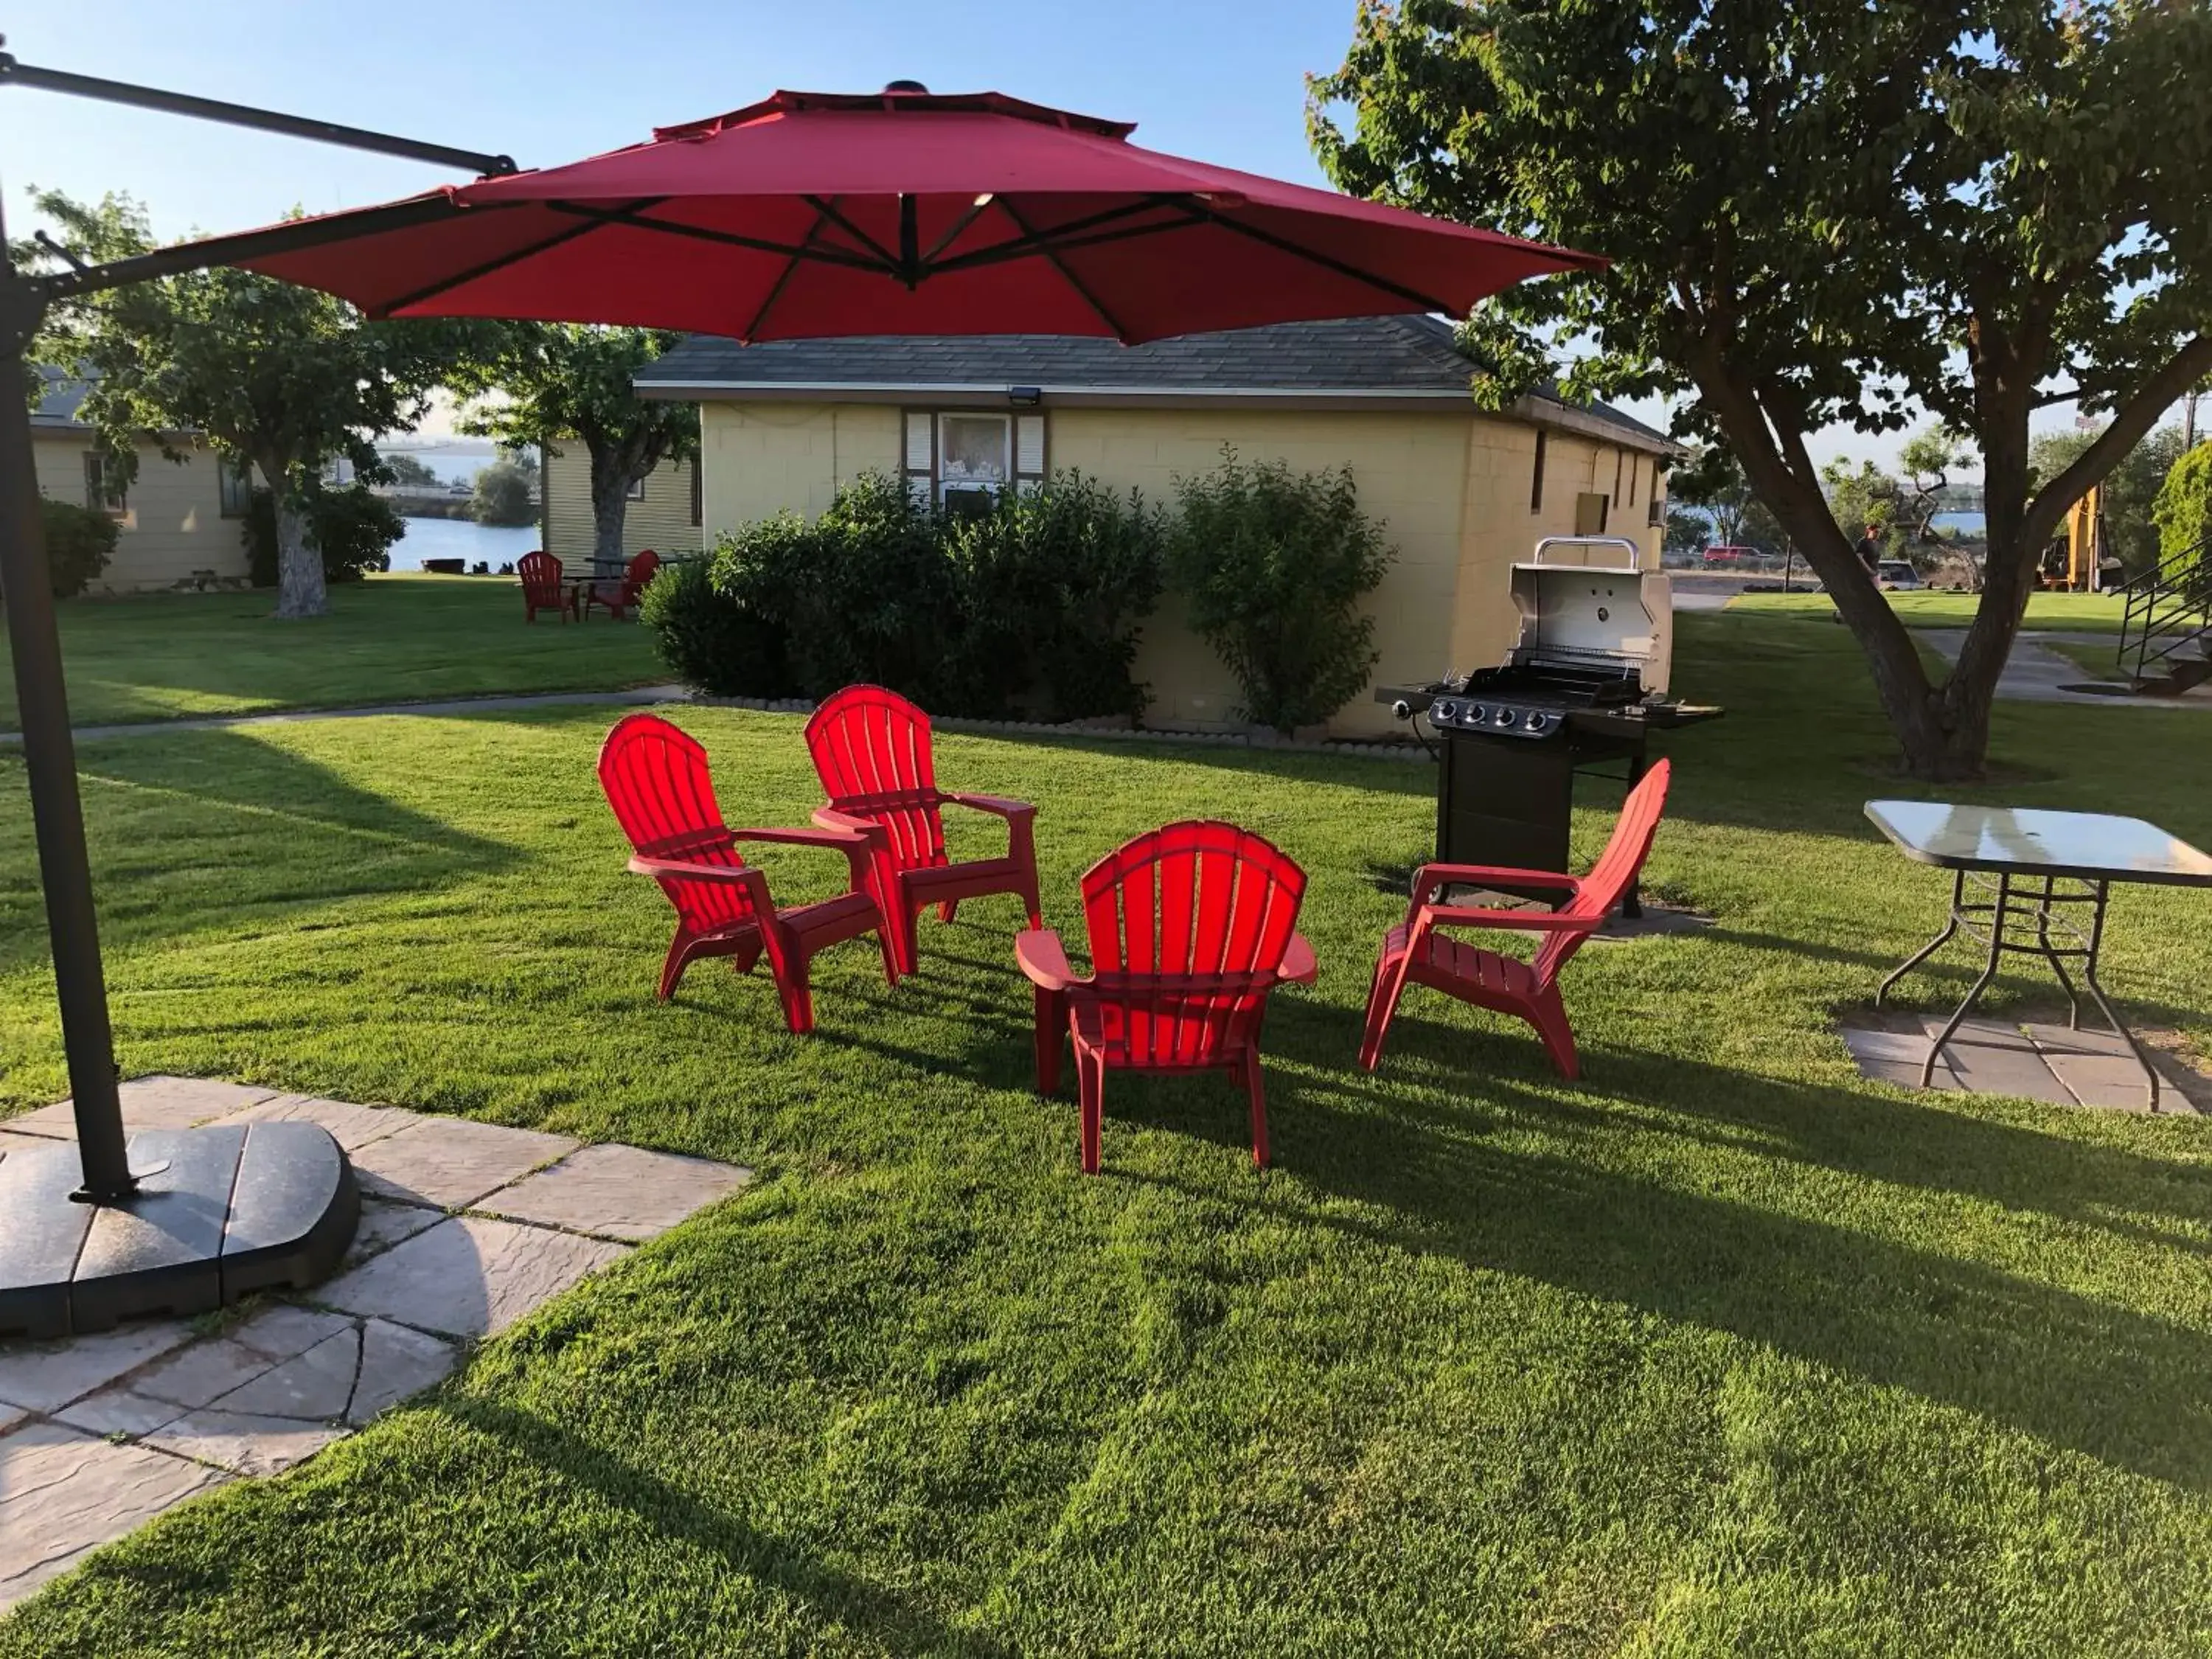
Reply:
x=828, y=817
x=1044, y=961
x=859, y=844
x=997, y=805
x=1522, y=922
x=1299, y=966
x=755, y=882
x=1430, y=877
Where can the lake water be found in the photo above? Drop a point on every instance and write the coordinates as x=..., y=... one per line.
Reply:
x=462, y=538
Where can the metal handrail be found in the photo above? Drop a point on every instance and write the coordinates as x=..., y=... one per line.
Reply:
x=2151, y=635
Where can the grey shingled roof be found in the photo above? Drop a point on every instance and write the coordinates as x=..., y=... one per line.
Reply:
x=60, y=394
x=1360, y=356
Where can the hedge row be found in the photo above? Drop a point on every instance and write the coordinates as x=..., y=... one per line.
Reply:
x=1033, y=609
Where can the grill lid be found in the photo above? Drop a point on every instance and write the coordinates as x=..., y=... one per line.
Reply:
x=1598, y=617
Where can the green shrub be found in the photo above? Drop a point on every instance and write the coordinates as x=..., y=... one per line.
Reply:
x=1029, y=610
x=1055, y=587
x=353, y=528
x=79, y=543
x=2183, y=511
x=1273, y=564
x=708, y=639
x=502, y=495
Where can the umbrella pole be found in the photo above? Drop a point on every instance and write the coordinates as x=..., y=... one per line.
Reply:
x=50, y=759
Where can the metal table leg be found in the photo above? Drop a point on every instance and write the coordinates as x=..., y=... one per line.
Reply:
x=1988, y=969
x=2104, y=1006
x=1950, y=927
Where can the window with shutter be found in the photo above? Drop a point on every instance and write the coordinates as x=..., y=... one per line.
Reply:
x=1029, y=452
x=920, y=457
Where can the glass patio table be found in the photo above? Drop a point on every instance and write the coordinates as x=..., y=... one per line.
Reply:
x=2033, y=871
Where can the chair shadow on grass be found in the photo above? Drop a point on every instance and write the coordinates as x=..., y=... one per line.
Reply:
x=190, y=831
x=900, y=1622
x=2125, y=1386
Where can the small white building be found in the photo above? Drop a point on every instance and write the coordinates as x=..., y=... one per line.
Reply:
x=182, y=522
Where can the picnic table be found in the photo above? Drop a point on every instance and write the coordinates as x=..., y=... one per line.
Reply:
x=2033, y=871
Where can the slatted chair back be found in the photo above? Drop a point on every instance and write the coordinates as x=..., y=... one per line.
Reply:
x=1188, y=925
x=541, y=581
x=872, y=751
x=656, y=779
x=639, y=576
x=1623, y=855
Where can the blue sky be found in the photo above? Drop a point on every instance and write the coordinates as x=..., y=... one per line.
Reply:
x=558, y=79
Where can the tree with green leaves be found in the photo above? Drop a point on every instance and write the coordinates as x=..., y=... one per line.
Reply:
x=2130, y=488
x=284, y=378
x=410, y=472
x=1825, y=212
x=550, y=383
x=1929, y=457
x=504, y=492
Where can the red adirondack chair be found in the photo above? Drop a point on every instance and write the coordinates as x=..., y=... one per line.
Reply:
x=656, y=779
x=618, y=595
x=871, y=749
x=1416, y=951
x=1191, y=926
x=543, y=586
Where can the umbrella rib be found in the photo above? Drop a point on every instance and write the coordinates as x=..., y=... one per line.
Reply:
x=702, y=233
x=1067, y=274
x=783, y=277
x=513, y=255
x=1062, y=235
x=1327, y=262
x=828, y=209
x=976, y=210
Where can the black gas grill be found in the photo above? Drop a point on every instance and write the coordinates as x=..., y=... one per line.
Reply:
x=1584, y=687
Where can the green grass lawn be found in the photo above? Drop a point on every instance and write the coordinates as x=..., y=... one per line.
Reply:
x=1721, y=1350
x=388, y=639
x=2079, y=613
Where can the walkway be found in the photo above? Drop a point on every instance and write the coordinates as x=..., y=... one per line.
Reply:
x=642, y=696
x=465, y=1227
x=2035, y=674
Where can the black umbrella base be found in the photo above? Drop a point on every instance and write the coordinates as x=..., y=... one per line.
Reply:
x=220, y=1214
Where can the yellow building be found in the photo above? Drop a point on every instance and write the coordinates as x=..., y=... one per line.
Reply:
x=1462, y=493
x=181, y=522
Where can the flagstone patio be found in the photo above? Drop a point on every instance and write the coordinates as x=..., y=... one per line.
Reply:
x=465, y=1227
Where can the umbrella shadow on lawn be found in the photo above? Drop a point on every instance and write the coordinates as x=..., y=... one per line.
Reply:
x=189, y=831
x=2122, y=1386
x=898, y=1620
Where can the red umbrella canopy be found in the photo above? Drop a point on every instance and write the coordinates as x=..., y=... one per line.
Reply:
x=902, y=212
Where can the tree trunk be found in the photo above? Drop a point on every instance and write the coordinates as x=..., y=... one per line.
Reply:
x=1944, y=730
x=299, y=590
x=611, y=479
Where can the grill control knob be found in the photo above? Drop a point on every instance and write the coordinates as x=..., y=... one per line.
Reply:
x=1503, y=717
x=1537, y=722
x=1447, y=712
x=1475, y=713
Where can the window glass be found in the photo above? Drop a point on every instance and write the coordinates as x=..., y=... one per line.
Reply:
x=971, y=454
x=103, y=483
x=236, y=487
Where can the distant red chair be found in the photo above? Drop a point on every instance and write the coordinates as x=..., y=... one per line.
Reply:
x=872, y=751
x=1416, y=951
x=543, y=586
x=1191, y=926
x=618, y=595
x=656, y=779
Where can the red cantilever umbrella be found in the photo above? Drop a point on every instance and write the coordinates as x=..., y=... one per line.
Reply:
x=899, y=212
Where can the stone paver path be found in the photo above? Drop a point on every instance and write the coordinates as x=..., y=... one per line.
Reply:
x=465, y=1227
x=2048, y=1063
